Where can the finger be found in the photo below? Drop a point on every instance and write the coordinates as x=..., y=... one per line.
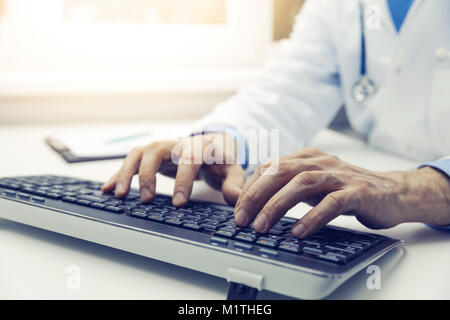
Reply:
x=252, y=199
x=110, y=184
x=301, y=187
x=189, y=164
x=128, y=170
x=184, y=180
x=256, y=175
x=308, y=152
x=300, y=158
x=233, y=183
x=151, y=161
x=330, y=207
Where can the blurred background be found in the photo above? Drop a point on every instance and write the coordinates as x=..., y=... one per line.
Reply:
x=82, y=61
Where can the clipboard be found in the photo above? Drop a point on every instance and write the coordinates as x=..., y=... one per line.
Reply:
x=70, y=157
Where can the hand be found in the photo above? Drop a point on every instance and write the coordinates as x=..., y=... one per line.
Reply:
x=209, y=156
x=333, y=187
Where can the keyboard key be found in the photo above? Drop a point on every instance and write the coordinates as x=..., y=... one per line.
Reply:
x=28, y=190
x=267, y=242
x=9, y=193
x=276, y=232
x=40, y=192
x=37, y=199
x=287, y=220
x=138, y=214
x=53, y=195
x=83, y=202
x=208, y=226
x=9, y=185
x=192, y=226
x=268, y=252
x=69, y=194
x=245, y=246
x=353, y=244
x=69, y=199
x=245, y=237
x=330, y=257
x=97, y=205
x=348, y=255
x=290, y=247
x=219, y=240
x=23, y=195
x=173, y=221
x=113, y=202
x=92, y=198
x=114, y=209
x=339, y=247
x=224, y=233
x=217, y=218
x=311, y=242
x=313, y=250
x=155, y=217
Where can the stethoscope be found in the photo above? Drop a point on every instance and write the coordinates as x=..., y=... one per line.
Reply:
x=364, y=88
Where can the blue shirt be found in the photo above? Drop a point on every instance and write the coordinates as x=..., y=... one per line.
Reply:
x=399, y=10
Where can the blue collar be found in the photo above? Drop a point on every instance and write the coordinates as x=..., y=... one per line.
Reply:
x=399, y=10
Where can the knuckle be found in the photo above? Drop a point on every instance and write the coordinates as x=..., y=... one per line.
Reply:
x=250, y=197
x=262, y=167
x=337, y=201
x=156, y=146
x=187, y=157
x=363, y=191
x=284, y=166
x=329, y=161
x=318, y=219
x=305, y=179
x=135, y=151
x=145, y=177
x=312, y=151
x=275, y=206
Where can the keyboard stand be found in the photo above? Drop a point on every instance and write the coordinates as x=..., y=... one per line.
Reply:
x=237, y=291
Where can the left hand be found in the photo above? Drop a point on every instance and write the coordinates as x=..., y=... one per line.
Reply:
x=377, y=199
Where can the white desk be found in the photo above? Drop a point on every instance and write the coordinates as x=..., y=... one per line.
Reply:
x=33, y=262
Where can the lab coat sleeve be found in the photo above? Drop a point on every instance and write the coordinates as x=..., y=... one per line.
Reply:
x=298, y=91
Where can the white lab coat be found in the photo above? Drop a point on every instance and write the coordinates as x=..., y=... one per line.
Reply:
x=303, y=87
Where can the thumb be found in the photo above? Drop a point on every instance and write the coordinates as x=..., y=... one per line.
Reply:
x=234, y=182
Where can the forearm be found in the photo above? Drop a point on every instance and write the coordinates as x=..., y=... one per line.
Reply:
x=426, y=197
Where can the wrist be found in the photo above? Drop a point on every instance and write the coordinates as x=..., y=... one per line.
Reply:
x=426, y=196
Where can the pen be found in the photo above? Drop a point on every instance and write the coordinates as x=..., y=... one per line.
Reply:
x=134, y=136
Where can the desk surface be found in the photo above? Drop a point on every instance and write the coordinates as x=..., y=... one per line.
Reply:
x=34, y=263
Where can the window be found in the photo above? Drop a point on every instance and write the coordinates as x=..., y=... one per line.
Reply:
x=134, y=33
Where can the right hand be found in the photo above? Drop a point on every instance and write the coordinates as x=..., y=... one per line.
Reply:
x=220, y=169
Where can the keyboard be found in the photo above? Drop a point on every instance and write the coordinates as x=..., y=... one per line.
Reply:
x=201, y=236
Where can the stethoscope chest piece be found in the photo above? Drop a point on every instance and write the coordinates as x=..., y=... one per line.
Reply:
x=363, y=89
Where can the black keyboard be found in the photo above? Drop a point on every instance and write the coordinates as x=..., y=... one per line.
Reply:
x=197, y=221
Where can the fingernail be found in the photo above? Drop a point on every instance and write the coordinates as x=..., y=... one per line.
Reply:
x=146, y=194
x=120, y=189
x=261, y=223
x=241, y=217
x=179, y=198
x=299, y=230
